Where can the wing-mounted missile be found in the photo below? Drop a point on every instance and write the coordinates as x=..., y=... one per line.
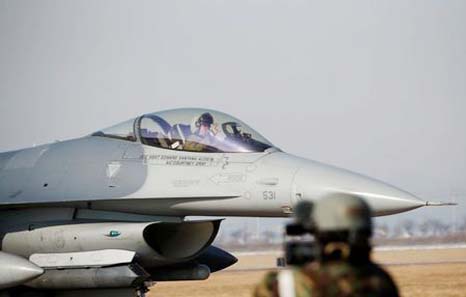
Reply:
x=16, y=270
x=87, y=270
x=123, y=276
x=119, y=269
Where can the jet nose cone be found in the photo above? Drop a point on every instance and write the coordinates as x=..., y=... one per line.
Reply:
x=382, y=204
x=315, y=180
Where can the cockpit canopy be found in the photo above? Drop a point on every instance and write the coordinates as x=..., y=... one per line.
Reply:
x=194, y=130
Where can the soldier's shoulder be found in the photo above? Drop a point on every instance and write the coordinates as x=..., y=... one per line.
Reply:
x=267, y=287
x=376, y=277
x=370, y=269
x=346, y=277
x=375, y=269
x=382, y=272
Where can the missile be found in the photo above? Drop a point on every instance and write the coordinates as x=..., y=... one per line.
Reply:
x=15, y=270
x=90, y=278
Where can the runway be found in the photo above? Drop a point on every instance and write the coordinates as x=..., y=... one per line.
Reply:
x=422, y=272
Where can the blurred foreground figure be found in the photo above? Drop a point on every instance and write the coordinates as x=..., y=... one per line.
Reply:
x=338, y=262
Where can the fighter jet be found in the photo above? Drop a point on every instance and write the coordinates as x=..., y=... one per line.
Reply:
x=106, y=213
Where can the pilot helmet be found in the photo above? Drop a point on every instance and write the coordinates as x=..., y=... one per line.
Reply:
x=205, y=119
x=342, y=214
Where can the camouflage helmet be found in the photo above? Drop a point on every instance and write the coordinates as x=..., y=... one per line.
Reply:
x=342, y=212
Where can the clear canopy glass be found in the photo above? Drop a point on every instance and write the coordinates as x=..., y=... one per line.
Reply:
x=196, y=130
x=123, y=131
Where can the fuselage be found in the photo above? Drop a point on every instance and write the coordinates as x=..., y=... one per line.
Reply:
x=115, y=175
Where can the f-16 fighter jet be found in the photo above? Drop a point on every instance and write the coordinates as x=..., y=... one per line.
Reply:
x=105, y=214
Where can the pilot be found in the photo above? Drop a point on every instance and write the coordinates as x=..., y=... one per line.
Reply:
x=203, y=137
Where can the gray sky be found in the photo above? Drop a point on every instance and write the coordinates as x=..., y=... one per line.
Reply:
x=377, y=87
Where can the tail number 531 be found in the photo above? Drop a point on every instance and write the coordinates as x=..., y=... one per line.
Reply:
x=268, y=195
